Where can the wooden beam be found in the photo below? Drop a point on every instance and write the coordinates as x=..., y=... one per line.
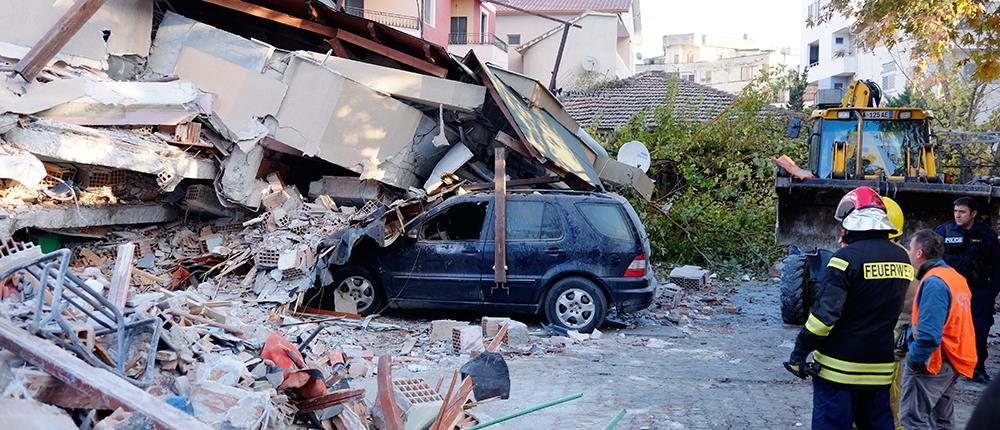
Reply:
x=500, y=216
x=104, y=386
x=121, y=276
x=517, y=145
x=391, y=414
x=56, y=38
x=275, y=16
x=513, y=183
x=385, y=51
x=339, y=49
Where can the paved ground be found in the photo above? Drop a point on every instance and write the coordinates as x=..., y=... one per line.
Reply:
x=724, y=372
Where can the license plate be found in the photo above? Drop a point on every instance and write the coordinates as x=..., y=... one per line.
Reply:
x=877, y=114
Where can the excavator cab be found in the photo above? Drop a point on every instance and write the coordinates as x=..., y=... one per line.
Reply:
x=851, y=144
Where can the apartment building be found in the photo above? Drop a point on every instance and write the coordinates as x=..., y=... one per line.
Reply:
x=458, y=25
x=723, y=63
x=601, y=45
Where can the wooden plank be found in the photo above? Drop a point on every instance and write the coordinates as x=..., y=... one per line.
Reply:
x=386, y=399
x=385, y=51
x=121, y=276
x=198, y=318
x=340, y=50
x=318, y=311
x=104, y=386
x=444, y=404
x=495, y=343
x=500, y=216
x=513, y=183
x=56, y=38
x=275, y=16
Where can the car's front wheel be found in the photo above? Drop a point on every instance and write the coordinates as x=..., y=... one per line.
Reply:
x=577, y=304
x=360, y=285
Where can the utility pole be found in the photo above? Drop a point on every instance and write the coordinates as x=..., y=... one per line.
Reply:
x=562, y=44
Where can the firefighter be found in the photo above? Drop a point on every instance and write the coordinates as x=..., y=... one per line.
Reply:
x=850, y=328
x=972, y=248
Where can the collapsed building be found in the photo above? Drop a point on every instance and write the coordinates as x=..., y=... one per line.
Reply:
x=169, y=156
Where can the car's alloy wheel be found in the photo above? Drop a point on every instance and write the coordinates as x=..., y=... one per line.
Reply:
x=575, y=308
x=360, y=289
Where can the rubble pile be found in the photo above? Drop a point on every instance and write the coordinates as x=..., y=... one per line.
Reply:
x=174, y=176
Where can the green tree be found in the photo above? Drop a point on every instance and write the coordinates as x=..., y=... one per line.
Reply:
x=717, y=180
x=797, y=82
x=935, y=29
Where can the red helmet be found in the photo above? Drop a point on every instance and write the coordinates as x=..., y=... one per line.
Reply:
x=858, y=198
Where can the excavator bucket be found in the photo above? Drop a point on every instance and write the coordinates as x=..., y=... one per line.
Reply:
x=806, y=208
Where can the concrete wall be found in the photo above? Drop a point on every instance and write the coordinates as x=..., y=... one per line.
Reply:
x=727, y=74
x=539, y=59
x=437, y=31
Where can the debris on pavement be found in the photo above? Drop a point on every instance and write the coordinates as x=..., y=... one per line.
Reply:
x=171, y=190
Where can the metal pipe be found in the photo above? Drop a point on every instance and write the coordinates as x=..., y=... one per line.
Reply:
x=562, y=46
x=861, y=139
x=614, y=421
x=526, y=411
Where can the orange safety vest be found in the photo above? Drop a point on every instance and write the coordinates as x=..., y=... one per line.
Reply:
x=958, y=339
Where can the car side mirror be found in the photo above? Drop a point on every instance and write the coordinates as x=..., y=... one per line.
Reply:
x=794, y=127
x=412, y=233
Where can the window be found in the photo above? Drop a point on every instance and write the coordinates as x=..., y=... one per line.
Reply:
x=888, y=82
x=677, y=58
x=459, y=31
x=889, y=67
x=706, y=76
x=746, y=73
x=690, y=77
x=838, y=40
x=838, y=86
x=484, y=28
x=607, y=219
x=428, y=11
x=463, y=221
x=533, y=221
x=513, y=39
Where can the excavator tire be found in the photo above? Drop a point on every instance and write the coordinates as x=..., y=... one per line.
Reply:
x=796, y=289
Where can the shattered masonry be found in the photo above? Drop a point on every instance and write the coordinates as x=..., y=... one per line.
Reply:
x=233, y=172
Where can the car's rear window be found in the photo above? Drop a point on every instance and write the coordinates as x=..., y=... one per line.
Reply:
x=608, y=219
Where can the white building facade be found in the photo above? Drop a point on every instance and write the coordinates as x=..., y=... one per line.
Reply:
x=724, y=63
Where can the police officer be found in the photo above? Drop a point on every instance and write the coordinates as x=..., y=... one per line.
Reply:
x=972, y=248
x=850, y=328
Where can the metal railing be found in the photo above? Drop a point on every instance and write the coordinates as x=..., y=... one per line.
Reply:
x=477, y=39
x=390, y=19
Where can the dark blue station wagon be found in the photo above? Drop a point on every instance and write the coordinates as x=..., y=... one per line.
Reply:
x=571, y=255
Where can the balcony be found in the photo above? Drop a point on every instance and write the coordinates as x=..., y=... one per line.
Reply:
x=391, y=19
x=487, y=46
x=477, y=39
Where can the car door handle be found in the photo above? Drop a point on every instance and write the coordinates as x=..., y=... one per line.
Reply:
x=554, y=251
x=470, y=251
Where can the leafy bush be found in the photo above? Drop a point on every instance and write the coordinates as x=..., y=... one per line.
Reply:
x=717, y=179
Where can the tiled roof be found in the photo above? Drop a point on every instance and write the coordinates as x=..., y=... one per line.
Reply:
x=568, y=6
x=617, y=103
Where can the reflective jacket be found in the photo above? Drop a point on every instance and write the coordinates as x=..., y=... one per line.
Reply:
x=971, y=252
x=850, y=327
x=953, y=332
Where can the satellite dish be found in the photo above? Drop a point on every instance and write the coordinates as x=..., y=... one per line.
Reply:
x=589, y=64
x=634, y=153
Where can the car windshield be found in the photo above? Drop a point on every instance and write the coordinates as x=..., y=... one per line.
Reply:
x=885, y=144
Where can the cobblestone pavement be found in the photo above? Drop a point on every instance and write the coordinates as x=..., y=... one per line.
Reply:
x=724, y=372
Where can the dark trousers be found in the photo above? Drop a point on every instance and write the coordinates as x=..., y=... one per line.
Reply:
x=983, y=302
x=837, y=408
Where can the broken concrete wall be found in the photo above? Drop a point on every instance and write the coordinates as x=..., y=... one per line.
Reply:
x=129, y=24
x=176, y=32
x=109, y=147
x=70, y=216
x=133, y=103
x=242, y=96
x=415, y=87
x=339, y=120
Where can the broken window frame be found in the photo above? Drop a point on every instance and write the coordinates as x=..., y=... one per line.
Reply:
x=421, y=237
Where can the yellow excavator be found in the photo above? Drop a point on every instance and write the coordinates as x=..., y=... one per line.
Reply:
x=851, y=144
